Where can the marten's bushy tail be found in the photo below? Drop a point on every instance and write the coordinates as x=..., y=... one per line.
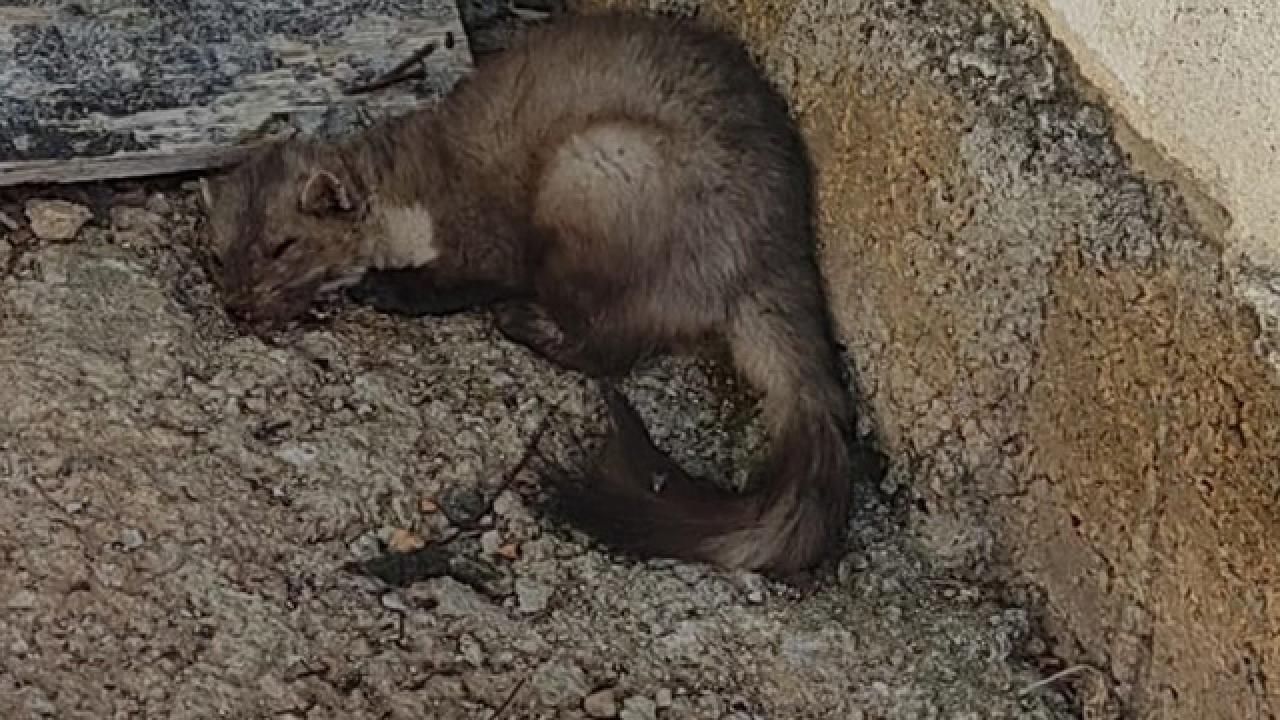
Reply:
x=636, y=499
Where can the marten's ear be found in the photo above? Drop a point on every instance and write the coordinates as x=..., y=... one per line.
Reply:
x=325, y=194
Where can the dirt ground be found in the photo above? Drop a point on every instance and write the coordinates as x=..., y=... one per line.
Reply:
x=182, y=503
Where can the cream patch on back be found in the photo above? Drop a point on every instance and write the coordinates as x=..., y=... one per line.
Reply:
x=606, y=168
x=408, y=238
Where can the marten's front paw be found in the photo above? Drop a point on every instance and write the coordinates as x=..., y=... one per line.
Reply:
x=416, y=292
x=384, y=293
x=529, y=325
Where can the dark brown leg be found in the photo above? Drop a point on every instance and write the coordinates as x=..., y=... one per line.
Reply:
x=584, y=351
x=418, y=291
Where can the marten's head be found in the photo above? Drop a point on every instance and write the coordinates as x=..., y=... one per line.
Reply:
x=286, y=225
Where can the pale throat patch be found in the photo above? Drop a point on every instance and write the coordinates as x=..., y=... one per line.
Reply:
x=406, y=238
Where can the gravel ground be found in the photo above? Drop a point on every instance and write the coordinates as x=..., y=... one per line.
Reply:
x=182, y=504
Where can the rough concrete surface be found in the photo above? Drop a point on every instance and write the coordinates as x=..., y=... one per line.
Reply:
x=1082, y=446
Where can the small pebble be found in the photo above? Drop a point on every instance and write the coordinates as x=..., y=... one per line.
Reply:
x=21, y=600
x=8, y=222
x=532, y=596
x=463, y=506
x=393, y=602
x=131, y=539
x=601, y=704
x=559, y=684
x=365, y=546
x=133, y=219
x=56, y=220
x=159, y=204
x=490, y=542
x=471, y=650
x=663, y=698
x=638, y=707
x=753, y=586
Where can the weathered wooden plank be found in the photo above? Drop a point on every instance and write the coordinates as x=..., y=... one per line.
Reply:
x=122, y=88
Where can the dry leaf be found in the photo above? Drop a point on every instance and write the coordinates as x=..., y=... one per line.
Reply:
x=403, y=541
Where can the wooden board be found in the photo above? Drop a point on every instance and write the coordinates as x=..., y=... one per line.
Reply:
x=100, y=89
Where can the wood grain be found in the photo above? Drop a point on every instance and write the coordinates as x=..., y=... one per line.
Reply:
x=125, y=88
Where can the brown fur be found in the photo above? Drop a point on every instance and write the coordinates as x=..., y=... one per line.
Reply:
x=616, y=185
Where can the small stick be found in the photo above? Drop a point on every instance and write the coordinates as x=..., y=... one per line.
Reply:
x=399, y=72
x=1073, y=670
x=511, y=697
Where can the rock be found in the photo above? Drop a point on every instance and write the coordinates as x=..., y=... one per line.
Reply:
x=137, y=227
x=463, y=506
x=560, y=684
x=131, y=539
x=9, y=223
x=490, y=541
x=56, y=220
x=365, y=546
x=638, y=707
x=159, y=204
x=134, y=219
x=453, y=599
x=21, y=600
x=393, y=602
x=663, y=698
x=471, y=650
x=532, y=595
x=601, y=704
x=753, y=587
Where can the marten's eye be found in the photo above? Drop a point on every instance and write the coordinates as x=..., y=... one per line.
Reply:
x=279, y=250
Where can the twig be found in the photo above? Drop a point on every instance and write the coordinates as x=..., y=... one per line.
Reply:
x=531, y=451
x=511, y=698
x=400, y=73
x=1067, y=672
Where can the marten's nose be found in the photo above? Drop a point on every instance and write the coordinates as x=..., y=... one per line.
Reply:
x=238, y=309
x=242, y=311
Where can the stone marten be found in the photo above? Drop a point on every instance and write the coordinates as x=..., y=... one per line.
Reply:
x=610, y=186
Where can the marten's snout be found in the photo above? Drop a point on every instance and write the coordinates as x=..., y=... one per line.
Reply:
x=261, y=309
x=247, y=310
x=245, y=314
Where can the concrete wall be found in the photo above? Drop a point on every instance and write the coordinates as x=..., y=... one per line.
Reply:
x=1201, y=80
x=1049, y=335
